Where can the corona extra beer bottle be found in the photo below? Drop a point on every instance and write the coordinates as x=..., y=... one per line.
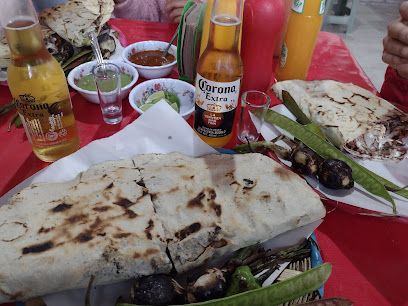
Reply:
x=38, y=85
x=219, y=74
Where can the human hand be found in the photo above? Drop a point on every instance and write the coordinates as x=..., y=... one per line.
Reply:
x=395, y=43
x=174, y=8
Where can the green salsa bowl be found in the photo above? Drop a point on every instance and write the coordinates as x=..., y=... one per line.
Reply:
x=80, y=79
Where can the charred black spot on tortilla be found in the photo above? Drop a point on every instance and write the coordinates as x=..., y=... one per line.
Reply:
x=249, y=184
x=117, y=265
x=45, y=230
x=217, y=208
x=219, y=243
x=109, y=186
x=145, y=192
x=234, y=183
x=61, y=207
x=141, y=183
x=125, y=203
x=148, y=229
x=121, y=235
x=101, y=208
x=213, y=194
x=213, y=234
x=105, y=175
x=131, y=214
x=77, y=218
x=102, y=234
x=197, y=200
x=188, y=230
x=84, y=237
x=38, y=248
x=249, y=181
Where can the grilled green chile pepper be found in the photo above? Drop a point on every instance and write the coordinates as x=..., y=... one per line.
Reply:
x=242, y=280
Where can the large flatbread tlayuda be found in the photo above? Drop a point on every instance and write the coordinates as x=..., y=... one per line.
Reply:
x=351, y=117
x=145, y=215
x=73, y=20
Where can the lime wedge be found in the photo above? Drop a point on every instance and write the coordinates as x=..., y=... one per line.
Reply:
x=172, y=98
x=145, y=107
x=175, y=106
x=155, y=97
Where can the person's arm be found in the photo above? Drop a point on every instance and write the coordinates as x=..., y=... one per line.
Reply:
x=395, y=43
x=395, y=54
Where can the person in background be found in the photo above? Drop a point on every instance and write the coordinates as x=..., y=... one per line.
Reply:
x=151, y=10
x=395, y=54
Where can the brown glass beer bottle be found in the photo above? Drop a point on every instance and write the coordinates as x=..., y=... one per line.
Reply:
x=219, y=74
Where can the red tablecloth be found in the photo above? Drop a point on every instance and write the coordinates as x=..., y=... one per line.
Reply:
x=369, y=254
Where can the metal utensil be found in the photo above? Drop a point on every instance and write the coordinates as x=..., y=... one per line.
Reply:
x=171, y=42
x=95, y=47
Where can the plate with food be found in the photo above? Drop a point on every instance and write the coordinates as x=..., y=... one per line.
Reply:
x=118, y=210
x=65, y=28
x=347, y=122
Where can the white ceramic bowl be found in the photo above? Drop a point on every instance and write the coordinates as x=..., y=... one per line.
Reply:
x=86, y=68
x=152, y=72
x=184, y=91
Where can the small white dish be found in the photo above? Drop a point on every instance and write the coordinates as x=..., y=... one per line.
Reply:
x=184, y=91
x=150, y=72
x=86, y=68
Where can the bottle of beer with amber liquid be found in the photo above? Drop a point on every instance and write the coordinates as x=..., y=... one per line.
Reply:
x=38, y=84
x=219, y=74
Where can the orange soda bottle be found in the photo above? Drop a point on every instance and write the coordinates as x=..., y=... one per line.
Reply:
x=300, y=39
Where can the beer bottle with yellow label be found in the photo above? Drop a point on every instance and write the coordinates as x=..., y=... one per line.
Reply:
x=219, y=74
x=38, y=84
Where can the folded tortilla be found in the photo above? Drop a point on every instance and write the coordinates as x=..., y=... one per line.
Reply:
x=73, y=20
x=352, y=118
x=145, y=215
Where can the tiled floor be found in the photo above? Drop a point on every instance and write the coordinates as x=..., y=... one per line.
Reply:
x=365, y=41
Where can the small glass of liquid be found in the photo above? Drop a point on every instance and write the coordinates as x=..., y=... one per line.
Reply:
x=108, y=84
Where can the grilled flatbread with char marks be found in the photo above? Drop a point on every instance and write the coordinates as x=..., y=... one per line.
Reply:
x=122, y=219
x=74, y=19
x=351, y=117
